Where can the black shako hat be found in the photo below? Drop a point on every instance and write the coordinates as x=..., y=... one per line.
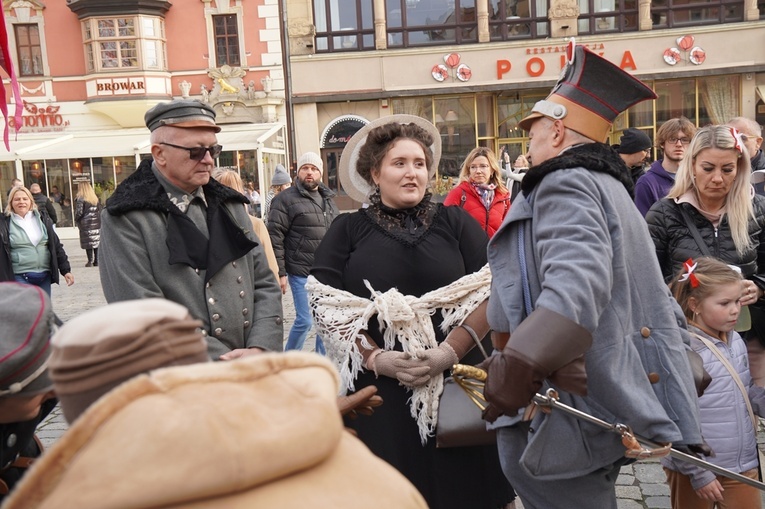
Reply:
x=589, y=95
x=181, y=113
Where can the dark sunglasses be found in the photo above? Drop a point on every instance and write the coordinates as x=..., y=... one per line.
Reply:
x=198, y=153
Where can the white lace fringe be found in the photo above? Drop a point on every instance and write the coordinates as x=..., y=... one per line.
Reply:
x=340, y=317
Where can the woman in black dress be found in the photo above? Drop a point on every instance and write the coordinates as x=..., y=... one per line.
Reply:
x=403, y=241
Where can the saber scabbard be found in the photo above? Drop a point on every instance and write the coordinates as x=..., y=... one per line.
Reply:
x=472, y=380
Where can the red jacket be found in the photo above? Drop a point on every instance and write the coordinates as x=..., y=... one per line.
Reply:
x=466, y=196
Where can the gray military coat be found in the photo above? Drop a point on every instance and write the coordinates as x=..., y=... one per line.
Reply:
x=590, y=258
x=148, y=249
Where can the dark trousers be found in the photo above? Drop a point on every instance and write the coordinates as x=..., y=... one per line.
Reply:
x=595, y=490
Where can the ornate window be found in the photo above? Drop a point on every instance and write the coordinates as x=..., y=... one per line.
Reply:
x=599, y=16
x=136, y=42
x=518, y=19
x=226, y=30
x=350, y=28
x=679, y=13
x=430, y=22
x=29, y=49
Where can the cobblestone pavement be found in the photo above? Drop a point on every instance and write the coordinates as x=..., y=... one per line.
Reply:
x=640, y=485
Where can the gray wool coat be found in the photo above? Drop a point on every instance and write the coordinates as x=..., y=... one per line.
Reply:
x=590, y=258
x=239, y=301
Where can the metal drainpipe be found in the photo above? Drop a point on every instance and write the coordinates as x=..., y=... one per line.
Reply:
x=287, y=83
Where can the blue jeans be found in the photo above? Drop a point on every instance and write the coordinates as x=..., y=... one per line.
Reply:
x=302, y=326
x=41, y=279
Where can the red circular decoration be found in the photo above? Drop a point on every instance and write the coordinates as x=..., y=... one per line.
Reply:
x=452, y=60
x=464, y=73
x=698, y=56
x=685, y=42
x=672, y=56
x=439, y=72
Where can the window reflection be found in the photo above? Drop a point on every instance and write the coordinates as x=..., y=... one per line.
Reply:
x=517, y=19
x=423, y=22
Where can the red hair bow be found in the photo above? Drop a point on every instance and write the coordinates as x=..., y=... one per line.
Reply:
x=739, y=145
x=689, y=267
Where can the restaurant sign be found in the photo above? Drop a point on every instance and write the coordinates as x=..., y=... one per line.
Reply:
x=40, y=119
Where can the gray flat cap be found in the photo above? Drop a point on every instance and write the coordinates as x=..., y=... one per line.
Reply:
x=181, y=113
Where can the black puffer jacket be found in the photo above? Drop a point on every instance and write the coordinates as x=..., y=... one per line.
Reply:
x=87, y=217
x=296, y=225
x=45, y=203
x=675, y=244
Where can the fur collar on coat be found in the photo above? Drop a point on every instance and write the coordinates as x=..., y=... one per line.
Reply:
x=142, y=190
x=227, y=240
x=597, y=157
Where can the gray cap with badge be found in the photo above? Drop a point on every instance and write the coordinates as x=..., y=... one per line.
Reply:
x=186, y=113
x=26, y=316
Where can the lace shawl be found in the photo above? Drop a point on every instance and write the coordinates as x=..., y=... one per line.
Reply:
x=340, y=317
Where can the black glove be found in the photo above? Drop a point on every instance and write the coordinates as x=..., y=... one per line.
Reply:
x=701, y=450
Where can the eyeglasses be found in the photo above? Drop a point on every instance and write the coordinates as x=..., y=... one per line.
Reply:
x=479, y=166
x=684, y=141
x=198, y=153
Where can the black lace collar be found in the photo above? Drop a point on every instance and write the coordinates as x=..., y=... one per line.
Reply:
x=408, y=225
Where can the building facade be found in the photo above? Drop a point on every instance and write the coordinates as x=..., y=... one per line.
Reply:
x=476, y=67
x=89, y=70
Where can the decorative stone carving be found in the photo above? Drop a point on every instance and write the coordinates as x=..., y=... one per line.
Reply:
x=563, y=14
x=267, y=82
x=563, y=9
x=228, y=83
x=185, y=87
x=301, y=28
x=301, y=34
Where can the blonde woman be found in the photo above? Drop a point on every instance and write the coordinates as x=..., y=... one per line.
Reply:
x=231, y=179
x=30, y=250
x=87, y=217
x=712, y=200
x=481, y=191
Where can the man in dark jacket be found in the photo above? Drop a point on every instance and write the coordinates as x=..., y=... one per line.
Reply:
x=751, y=132
x=634, y=146
x=170, y=231
x=298, y=218
x=43, y=202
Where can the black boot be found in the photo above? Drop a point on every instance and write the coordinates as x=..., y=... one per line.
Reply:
x=90, y=257
x=95, y=257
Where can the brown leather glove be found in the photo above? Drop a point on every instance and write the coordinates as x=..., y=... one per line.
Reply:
x=701, y=378
x=361, y=402
x=545, y=342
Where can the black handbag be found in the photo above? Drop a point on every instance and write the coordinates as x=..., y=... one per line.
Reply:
x=459, y=419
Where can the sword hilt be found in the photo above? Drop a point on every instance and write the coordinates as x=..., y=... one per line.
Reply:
x=466, y=371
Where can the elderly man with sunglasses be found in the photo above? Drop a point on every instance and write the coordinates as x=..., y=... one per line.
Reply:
x=170, y=231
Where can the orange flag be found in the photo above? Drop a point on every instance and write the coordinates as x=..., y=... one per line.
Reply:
x=7, y=65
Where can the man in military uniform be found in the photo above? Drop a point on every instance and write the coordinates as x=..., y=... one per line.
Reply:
x=585, y=304
x=170, y=231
